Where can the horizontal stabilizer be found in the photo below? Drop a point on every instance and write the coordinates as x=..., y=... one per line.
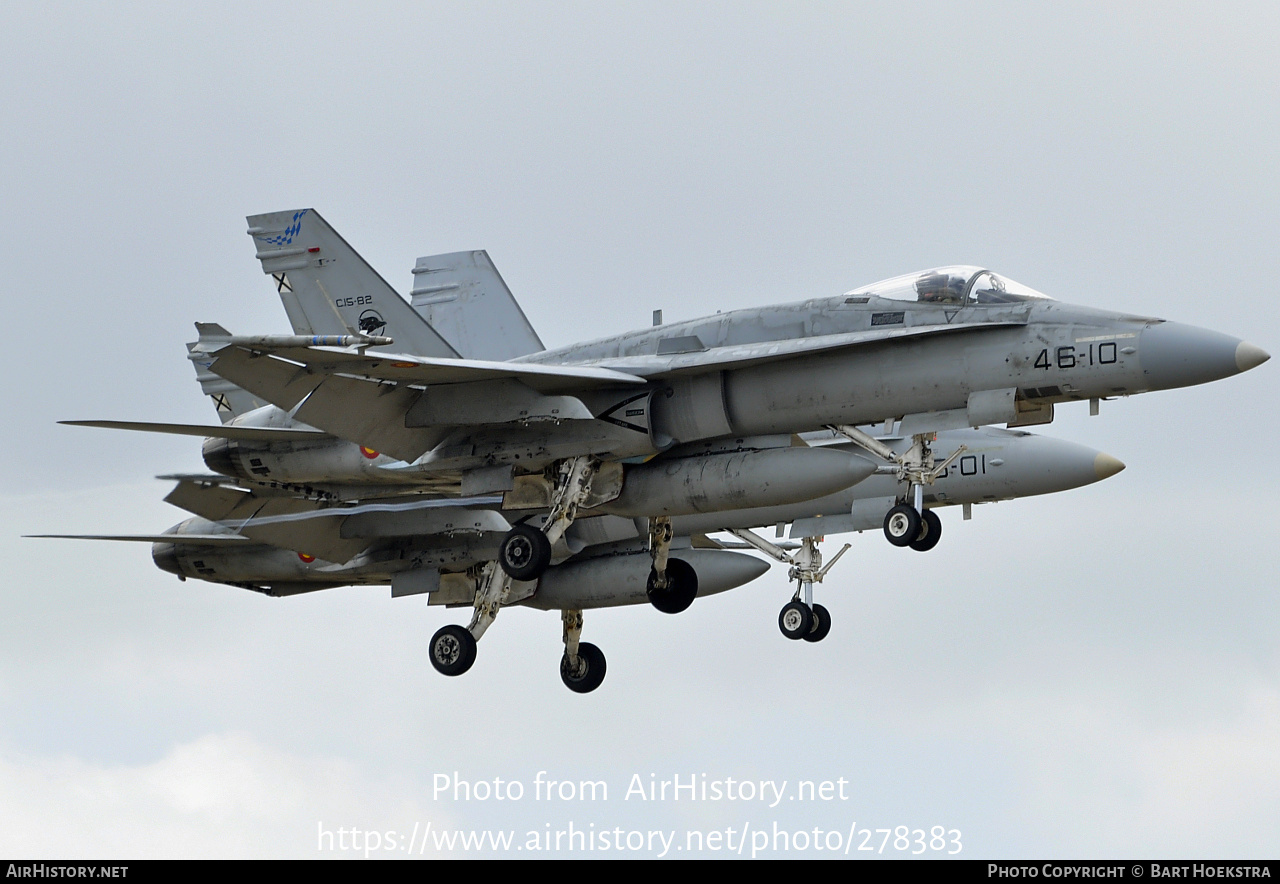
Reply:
x=277, y=521
x=335, y=533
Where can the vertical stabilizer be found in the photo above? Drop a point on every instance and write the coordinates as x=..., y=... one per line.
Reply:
x=327, y=288
x=228, y=399
x=463, y=297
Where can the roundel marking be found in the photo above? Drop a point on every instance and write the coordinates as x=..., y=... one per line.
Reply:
x=306, y=558
x=368, y=452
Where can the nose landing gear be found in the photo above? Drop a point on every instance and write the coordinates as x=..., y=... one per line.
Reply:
x=908, y=523
x=800, y=618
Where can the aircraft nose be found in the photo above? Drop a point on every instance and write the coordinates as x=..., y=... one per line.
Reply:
x=1248, y=356
x=1044, y=465
x=1176, y=355
x=166, y=557
x=1105, y=466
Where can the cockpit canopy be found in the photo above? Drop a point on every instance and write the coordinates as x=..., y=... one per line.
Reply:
x=959, y=284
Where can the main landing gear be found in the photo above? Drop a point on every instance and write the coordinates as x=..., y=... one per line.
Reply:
x=582, y=667
x=800, y=618
x=453, y=647
x=673, y=584
x=525, y=552
x=908, y=523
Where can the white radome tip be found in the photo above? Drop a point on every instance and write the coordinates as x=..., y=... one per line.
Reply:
x=1106, y=466
x=1248, y=356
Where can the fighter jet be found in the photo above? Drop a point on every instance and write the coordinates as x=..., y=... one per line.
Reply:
x=280, y=544
x=940, y=349
x=662, y=422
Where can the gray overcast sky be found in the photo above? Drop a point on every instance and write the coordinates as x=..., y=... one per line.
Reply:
x=1092, y=674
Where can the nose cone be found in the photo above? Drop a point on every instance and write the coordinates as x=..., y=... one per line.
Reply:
x=1044, y=465
x=166, y=557
x=1248, y=356
x=1105, y=466
x=1177, y=355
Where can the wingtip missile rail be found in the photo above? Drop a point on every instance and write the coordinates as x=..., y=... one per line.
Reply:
x=274, y=342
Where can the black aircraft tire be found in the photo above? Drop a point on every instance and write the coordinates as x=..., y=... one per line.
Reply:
x=902, y=525
x=930, y=532
x=680, y=591
x=821, y=625
x=524, y=553
x=795, y=620
x=453, y=650
x=590, y=672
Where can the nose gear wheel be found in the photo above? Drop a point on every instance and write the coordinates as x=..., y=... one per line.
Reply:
x=796, y=620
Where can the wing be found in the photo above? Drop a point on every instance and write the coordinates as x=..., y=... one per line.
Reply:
x=335, y=533
x=243, y=434
x=192, y=539
x=402, y=368
x=382, y=401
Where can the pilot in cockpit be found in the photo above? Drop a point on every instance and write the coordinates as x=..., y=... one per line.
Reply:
x=940, y=288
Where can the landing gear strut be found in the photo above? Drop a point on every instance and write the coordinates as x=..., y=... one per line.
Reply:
x=673, y=584
x=453, y=647
x=525, y=552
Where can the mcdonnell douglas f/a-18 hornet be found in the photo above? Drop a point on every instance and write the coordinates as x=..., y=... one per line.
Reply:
x=439, y=447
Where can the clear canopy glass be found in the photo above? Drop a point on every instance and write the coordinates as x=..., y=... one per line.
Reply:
x=957, y=284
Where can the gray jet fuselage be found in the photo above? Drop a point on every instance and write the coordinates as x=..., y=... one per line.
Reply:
x=1050, y=352
x=997, y=465
x=947, y=348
